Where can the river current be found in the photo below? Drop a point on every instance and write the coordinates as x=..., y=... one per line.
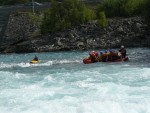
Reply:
x=61, y=83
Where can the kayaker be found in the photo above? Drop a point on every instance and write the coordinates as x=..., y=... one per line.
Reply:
x=36, y=58
x=123, y=51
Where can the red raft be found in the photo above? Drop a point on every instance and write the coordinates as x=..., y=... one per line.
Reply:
x=88, y=60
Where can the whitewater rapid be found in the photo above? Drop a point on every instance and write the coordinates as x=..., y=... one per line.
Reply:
x=63, y=84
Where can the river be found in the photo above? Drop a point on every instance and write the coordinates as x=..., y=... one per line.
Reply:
x=61, y=83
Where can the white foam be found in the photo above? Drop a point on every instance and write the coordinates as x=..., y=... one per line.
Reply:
x=44, y=63
x=68, y=61
x=10, y=65
x=49, y=78
x=93, y=88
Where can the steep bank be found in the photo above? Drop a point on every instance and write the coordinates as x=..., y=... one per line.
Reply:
x=23, y=35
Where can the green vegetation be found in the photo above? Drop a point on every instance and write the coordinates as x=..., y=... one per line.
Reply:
x=74, y=12
x=37, y=18
x=121, y=8
x=70, y=13
x=65, y=15
x=102, y=19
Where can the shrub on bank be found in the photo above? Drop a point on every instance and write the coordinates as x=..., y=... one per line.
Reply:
x=64, y=15
x=121, y=8
x=102, y=19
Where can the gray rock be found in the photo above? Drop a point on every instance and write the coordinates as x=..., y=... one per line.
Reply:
x=22, y=35
x=120, y=29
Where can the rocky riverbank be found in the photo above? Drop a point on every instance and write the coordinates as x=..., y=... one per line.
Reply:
x=23, y=35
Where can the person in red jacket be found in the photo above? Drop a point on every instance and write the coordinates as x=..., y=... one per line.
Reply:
x=93, y=56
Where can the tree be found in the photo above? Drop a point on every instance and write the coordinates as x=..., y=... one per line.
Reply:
x=121, y=8
x=65, y=15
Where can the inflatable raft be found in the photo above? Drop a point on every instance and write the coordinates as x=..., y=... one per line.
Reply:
x=88, y=60
x=104, y=56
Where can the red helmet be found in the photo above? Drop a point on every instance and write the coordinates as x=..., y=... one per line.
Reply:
x=94, y=54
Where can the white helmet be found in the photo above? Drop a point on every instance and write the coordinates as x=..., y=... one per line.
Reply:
x=122, y=46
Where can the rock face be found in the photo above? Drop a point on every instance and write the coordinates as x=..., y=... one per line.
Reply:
x=20, y=28
x=19, y=36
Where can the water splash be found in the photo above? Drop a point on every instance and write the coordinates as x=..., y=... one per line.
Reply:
x=66, y=85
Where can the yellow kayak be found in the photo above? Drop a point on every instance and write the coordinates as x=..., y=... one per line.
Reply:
x=35, y=61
